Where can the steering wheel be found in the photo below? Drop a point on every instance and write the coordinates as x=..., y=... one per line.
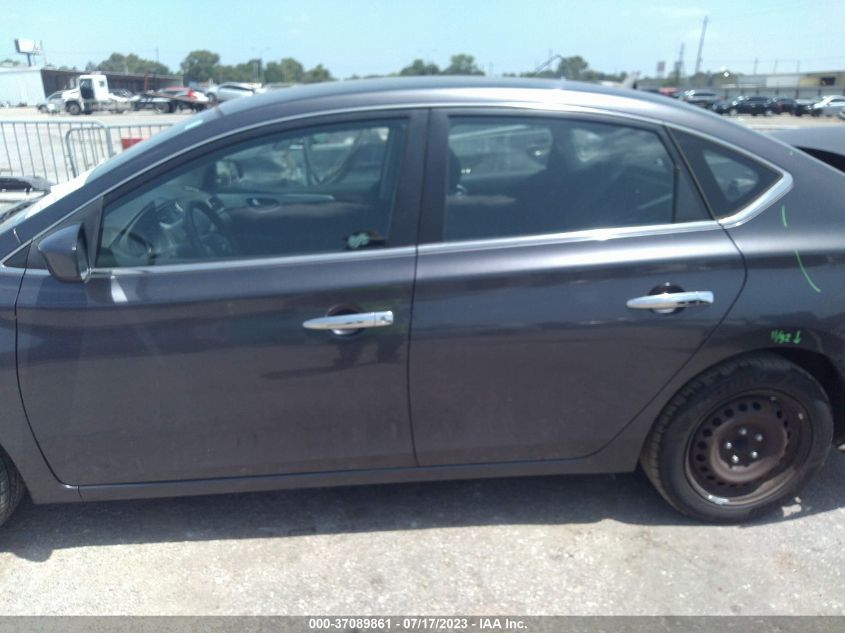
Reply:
x=211, y=238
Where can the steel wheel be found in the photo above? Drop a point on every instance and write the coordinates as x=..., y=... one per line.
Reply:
x=746, y=450
x=740, y=439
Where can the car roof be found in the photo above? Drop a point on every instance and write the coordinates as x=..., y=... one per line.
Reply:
x=473, y=91
x=469, y=93
x=427, y=91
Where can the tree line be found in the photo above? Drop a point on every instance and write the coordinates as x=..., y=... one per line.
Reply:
x=204, y=66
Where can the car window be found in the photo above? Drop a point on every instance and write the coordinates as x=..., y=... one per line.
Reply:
x=525, y=176
x=321, y=190
x=728, y=179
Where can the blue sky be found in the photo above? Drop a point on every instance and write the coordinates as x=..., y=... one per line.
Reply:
x=380, y=36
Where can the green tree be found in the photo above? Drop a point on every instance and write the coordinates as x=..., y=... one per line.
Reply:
x=119, y=63
x=419, y=67
x=200, y=65
x=288, y=70
x=573, y=68
x=462, y=64
x=317, y=74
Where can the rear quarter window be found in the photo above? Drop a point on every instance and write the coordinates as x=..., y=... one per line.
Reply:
x=729, y=180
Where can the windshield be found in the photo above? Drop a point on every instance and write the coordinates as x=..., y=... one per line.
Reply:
x=159, y=138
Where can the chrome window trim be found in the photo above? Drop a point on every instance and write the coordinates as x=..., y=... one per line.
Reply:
x=257, y=262
x=547, y=239
x=754, y=208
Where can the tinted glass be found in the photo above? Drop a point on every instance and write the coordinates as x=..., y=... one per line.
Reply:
x=321, y=190
x=525, y=176
x=728, y=179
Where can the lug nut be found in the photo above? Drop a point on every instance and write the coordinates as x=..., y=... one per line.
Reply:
x=754, y=454
x=728, y=446
x=743, y=431
x=734, y=459
x=759, y=437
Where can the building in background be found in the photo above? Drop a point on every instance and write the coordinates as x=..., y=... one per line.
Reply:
x=21, y=85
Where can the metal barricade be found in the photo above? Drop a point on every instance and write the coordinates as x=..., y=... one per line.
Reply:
x=31, y=147
x=86, y=147
x=59, y=150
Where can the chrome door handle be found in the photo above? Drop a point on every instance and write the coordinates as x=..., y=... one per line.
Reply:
x=355, y=321
x=671, y=300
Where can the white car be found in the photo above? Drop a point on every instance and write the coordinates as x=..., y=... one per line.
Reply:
x=829, y=106
x=52, y=104
x=232, y=90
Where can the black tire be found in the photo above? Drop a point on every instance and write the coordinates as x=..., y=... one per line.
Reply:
x=701, y=453
x=733, y=111
x=74, y=108
x=11, y=487
x=212, y=99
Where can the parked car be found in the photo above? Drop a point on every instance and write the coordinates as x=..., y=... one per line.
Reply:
x=828, y=106
x=804, y=106
x=232, y=90
x=745, y=105
x=186, y=98
x=52, y=104
x=171, y=100
x=429, y=278
x=783, y=105
x=702, y=98
x=150, y=101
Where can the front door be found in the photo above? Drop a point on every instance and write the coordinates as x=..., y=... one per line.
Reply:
x=198, y=348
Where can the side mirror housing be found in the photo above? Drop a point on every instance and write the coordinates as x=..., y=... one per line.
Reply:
x=66, y=254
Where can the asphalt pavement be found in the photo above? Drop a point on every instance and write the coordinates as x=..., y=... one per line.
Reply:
x=597, y=545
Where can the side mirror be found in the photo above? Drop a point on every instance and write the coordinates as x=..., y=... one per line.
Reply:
x=66, y=254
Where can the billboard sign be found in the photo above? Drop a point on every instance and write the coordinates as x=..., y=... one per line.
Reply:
x=30, y=47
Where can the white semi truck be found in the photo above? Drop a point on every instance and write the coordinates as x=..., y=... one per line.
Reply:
x=92, y=95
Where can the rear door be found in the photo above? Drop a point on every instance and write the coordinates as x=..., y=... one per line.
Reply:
x=199, y=348
x=546, y=237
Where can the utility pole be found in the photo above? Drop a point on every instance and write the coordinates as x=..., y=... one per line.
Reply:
x=775, y=69
x=679, y=65
x=701, y=44
x=755, y=66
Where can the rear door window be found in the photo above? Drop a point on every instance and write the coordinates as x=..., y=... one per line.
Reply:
x=512, y=176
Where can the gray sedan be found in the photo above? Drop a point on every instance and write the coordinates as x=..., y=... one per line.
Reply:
x=378, y=281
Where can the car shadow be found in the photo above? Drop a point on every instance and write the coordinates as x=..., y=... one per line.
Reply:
x=34, y=532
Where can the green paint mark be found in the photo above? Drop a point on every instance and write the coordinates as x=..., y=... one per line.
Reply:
x=783, y=215
x=782, y=337
x=806, y=276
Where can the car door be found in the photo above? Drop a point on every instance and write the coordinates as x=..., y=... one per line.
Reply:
x=558, y=254
x=216, y=338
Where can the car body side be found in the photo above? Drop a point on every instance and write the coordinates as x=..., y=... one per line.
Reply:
x=794, y=251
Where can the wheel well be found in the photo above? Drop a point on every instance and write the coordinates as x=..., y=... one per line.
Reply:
x=828, y=376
